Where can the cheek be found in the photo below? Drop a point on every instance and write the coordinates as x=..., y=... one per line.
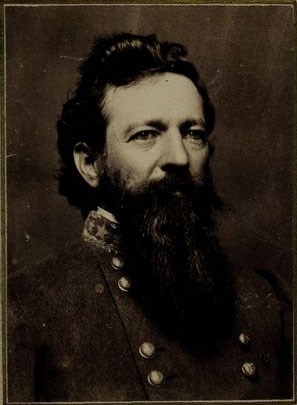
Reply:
x=134, y=167
x=198, y=160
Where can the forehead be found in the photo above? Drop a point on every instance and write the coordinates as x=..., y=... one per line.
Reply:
x=163, y=95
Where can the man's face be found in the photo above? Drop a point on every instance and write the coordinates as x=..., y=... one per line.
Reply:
x=155, y=126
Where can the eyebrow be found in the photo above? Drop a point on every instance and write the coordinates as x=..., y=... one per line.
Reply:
x=192, y=123
x=151, y=123
x=161, y=126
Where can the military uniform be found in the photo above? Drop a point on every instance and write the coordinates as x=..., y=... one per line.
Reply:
x=76, y=334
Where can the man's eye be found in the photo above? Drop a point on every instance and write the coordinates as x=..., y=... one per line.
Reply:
x=196, y=135
x=144, y=135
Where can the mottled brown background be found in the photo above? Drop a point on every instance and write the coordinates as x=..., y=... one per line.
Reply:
x=245, y=55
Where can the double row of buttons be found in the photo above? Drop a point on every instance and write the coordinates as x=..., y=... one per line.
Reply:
x=249, y=369
x=124, y=284
x=146, y=350
x=155, y=377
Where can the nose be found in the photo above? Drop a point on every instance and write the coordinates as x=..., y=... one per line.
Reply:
x=174, y=153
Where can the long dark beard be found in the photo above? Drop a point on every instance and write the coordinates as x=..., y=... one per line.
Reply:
x=179, y=274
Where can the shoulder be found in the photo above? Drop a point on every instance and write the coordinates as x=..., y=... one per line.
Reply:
x=262, y=293
x=261, y=280
x=71, y=261
x=55, y=281
x=263, y=298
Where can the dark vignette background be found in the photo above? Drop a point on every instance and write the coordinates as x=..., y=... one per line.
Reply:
x=245, y=56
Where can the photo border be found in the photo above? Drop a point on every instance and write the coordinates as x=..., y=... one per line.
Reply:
x=3, y=180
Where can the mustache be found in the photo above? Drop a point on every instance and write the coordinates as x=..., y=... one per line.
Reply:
x=179, y=182
x=176, y=186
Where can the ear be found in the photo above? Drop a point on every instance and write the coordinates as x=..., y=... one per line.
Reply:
x=86, y=164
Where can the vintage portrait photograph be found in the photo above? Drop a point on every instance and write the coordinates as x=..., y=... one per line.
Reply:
x=148, y=198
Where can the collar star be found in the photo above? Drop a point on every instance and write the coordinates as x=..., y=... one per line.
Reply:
x=102, y=229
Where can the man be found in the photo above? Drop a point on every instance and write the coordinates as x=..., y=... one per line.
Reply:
x=146, y=306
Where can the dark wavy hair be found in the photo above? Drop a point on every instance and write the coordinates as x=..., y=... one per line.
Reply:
x=116, y=60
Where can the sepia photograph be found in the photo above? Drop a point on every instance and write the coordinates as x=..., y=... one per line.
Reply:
x=148, y=170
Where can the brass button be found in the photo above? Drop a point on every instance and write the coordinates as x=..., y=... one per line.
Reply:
x=155, y=378
x=244, y=339
x=117, y=263
x=124, y=284
x=99, y=288
x=147, y=350
x=249, y=369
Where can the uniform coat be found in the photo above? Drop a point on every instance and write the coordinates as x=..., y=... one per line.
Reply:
x=74, y=335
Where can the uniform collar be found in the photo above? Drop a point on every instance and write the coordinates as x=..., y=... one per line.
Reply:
x=102, y=229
